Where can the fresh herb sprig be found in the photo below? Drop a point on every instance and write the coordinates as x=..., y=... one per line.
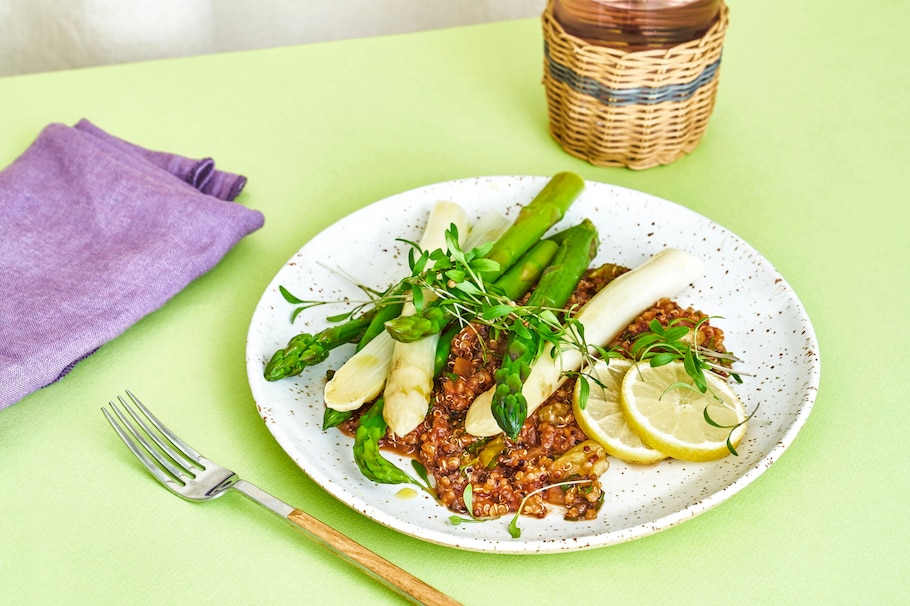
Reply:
x=514, y=529
x=453, y=279
x=468, y=497
x=679, y=342
x=375, y=299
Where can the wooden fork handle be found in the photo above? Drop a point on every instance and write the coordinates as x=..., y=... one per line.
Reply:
x=393, y=577
x=376, y=566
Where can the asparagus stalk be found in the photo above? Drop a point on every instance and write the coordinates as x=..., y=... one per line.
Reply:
x=307, y=349
x=411, y=369
x=416, y=325
x=578, y=247
x=444, y=348
x=363, y=376
x=367, y=454
x=607, y=313
x=340, y=407
x=532, y=222
x=543, y=212
x=383, y=314
x=522, y=276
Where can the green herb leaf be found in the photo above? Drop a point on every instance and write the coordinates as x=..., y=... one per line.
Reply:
x=661, y=359
x=676, y=333
x=468, y=497
x=514, y=530
x=456, y=275
x=468, y=288
x=521, y=330
x=496, y=311
x=338, y=317
x=584, y=392
x=657, y=328
x=288, y=296
x=421, y=471
x=333, y=418
x=482, y=266
x=418, y=298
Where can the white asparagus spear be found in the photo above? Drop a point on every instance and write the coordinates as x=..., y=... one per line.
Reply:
x=486, y=229
x=603, y=317
x=363, y=376
x=410, y=380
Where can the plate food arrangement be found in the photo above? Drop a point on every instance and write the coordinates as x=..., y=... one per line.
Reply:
x=530, y=364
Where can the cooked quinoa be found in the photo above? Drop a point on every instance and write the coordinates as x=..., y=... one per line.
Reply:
x=551, y=448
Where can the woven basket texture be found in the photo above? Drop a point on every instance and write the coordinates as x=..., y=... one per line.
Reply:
x=635, y=109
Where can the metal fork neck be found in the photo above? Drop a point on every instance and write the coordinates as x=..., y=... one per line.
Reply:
x=263, y=498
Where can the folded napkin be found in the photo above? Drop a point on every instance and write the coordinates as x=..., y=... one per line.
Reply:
x=95, y=233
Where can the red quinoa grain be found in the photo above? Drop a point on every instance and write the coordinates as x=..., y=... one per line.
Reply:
x=503, y=472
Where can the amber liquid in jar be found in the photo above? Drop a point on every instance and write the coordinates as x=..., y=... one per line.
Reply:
x=634, y=25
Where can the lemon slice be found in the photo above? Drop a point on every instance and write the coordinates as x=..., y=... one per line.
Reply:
x=602, y=417
x=673, y=420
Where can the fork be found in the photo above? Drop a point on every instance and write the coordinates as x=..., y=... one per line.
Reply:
x=188, y=474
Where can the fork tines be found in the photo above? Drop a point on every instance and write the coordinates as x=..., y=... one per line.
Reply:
x=167, y=450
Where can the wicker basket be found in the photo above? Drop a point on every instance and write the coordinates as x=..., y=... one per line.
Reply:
x=635, y=109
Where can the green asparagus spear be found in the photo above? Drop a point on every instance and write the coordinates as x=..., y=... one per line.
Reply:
x=443, y=348
x=513, y=284
x=522, y=276
x=546, y=209
x=383, y=314
x=577, y=248
x=372, y=464
x=333, y=418
x=308, y=349
x=533, y=220
x=556, y=285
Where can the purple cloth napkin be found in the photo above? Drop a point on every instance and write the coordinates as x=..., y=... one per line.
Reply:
x=95, y=233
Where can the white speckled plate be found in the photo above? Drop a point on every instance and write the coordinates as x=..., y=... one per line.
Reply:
x=765, y=324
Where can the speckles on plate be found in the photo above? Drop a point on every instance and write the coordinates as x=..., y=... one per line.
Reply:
x=765, y=323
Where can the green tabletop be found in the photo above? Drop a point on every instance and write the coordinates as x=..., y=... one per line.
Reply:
x=805, y=158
